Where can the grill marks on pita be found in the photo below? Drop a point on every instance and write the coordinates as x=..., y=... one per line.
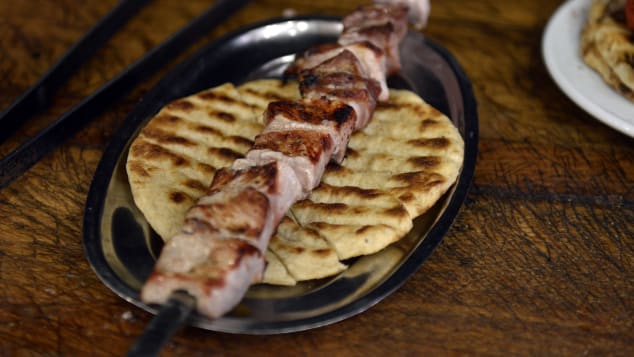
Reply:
x=394, y=170
x=171, y=162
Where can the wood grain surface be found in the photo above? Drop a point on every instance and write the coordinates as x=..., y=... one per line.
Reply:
x=540, y=260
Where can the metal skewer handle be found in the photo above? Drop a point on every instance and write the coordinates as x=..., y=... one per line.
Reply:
x=163, y=326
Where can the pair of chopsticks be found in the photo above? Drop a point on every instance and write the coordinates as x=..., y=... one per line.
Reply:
x=37, y=98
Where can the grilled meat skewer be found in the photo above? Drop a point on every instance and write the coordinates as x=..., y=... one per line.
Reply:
x=219, y=251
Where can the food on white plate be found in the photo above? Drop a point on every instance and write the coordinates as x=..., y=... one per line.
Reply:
x=607, y=43
x=220, y=248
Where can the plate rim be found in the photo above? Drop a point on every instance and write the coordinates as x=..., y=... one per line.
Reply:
x=566, y=84
x=114, y=152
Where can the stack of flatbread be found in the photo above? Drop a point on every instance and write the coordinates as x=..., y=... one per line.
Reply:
x=395, y=169
x=607, y=45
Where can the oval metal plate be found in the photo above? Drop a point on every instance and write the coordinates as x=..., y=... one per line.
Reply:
x=122, y=248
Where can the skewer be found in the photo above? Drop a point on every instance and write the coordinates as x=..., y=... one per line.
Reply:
x=164, y=325
x=220, y=248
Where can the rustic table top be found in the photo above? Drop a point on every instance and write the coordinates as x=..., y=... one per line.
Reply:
x=540, y=260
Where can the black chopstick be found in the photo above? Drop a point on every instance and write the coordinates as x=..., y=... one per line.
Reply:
x=37, y=98
x=25, y=156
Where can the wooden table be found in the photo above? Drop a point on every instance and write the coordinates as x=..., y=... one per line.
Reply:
x=540, y=260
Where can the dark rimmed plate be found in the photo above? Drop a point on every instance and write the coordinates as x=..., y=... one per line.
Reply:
x=122, y=248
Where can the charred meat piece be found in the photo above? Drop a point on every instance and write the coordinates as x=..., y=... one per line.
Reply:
x=242, y=213
x=307, y=152
x=274, y=180
x=333, y=117
x=371, y=58
x=342, y=78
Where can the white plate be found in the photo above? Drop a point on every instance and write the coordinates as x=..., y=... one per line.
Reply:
x=560, y=48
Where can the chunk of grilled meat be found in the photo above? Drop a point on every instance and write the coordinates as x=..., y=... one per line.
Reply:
x=382, y=26
x=371, y=58
x=306, y=151
x=217, y=272
x=324, y=115
x=342, y=78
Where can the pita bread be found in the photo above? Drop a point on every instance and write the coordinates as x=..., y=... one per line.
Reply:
x=173, y=159
x=396, y=168
x=607, y=45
